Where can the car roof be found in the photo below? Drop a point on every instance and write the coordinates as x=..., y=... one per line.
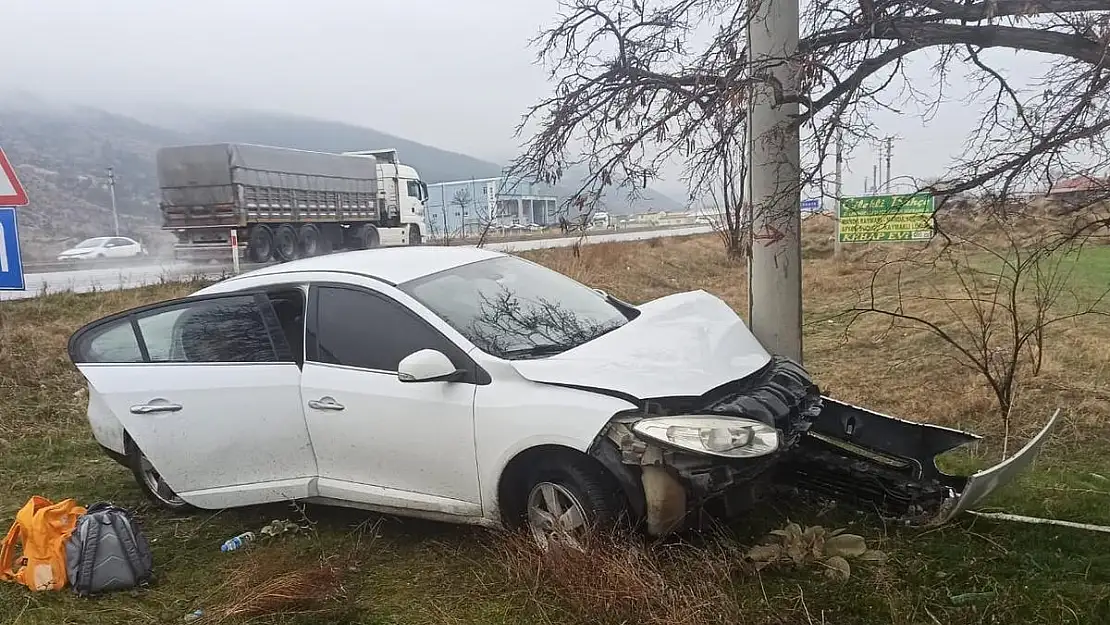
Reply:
x=391, y=264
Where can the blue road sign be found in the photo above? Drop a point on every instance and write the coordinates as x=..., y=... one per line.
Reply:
x=811, y=204
x=11, y=263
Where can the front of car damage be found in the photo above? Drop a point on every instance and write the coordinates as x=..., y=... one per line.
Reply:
x=719, y=424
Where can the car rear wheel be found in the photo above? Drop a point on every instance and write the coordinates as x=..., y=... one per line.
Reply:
x=567, y=502
x=151, y=482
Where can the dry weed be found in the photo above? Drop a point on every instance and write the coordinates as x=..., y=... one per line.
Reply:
x=271, y=581
x=620, y=580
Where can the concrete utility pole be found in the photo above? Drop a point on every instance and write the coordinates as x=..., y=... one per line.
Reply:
x=775, y=270
x=837, y=189
x=875, y=178
x=112, y=192
x=888, y=150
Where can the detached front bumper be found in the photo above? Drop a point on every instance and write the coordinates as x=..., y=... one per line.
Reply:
x=875, y=460
x=829, y=448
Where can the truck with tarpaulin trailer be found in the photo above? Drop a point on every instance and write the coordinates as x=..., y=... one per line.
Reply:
x=277, y=204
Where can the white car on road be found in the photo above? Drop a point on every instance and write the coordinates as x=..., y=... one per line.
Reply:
x=471, y=386
x=102, y=248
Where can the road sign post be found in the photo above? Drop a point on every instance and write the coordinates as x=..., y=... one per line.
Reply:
x=11, y=262
x=887, y=219
x=235, y=250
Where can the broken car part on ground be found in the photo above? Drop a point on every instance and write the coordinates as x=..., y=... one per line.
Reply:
x=465, y=385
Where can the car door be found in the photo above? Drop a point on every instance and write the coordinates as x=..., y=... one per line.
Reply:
x=126, y=248
x=120, y=248
x=378, y=440
x=112, y=248
x=209, y=390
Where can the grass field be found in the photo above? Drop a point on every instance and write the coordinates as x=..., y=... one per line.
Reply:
x=361, y=568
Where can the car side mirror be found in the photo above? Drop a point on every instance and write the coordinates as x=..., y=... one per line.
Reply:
x=603, y=294
x=428, y=365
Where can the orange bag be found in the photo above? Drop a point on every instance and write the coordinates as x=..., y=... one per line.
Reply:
x=42, y=527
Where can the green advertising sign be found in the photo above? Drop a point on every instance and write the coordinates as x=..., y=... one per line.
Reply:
x=886, y=218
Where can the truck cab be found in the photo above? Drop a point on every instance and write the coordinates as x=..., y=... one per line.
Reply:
x=405, y=194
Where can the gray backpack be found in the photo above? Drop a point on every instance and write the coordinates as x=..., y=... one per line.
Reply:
x=107, y=551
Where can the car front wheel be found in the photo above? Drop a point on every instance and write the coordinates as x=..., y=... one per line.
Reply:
x=566, y=503
x=150, y=481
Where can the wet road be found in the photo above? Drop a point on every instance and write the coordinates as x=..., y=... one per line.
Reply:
x=84, y=280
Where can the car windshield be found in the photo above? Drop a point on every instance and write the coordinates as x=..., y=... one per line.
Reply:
x=91, y=243
x=512, y=308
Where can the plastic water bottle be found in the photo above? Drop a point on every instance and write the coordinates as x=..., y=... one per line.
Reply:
x=239, y=541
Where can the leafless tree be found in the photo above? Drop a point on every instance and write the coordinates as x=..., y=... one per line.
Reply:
x=991, y=298
x=439, y=228
x=730, y=200
x=462, y=200
x=639, y=83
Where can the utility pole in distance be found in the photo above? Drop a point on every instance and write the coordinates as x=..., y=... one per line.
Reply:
x=112, y=192
x=889, y=147
x=836, y=187
x=775, y=269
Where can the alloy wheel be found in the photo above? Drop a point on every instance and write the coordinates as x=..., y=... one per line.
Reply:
x=554, y=513
x=157, y=485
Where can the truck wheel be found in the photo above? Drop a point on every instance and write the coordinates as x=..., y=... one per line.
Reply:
x=309, y=239
x=414, y=234
x=369, y=237
x=260, y=244
x=285, y=243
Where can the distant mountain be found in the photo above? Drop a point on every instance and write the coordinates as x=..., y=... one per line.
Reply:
x=434, y=164
x=61, y=154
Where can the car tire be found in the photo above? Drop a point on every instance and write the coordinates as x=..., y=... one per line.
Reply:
x=260, y=244
x=555, y=489
x=285, y=243
x=414, y=234
x=152, y=485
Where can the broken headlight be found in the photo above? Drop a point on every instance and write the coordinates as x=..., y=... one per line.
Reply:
x=718, y=436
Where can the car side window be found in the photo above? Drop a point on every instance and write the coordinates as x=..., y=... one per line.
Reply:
x=220, y=330
x=358, y=329
x=113, y=343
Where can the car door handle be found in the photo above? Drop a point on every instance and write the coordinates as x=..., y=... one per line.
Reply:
x=325, y=403
x=152, y=408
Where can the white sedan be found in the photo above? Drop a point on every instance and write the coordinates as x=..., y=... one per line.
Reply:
x=465, y=385
x=103, y=248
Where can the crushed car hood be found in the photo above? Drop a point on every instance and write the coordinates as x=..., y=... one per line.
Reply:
x=680, y=345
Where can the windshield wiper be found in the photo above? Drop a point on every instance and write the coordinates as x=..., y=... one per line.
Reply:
x=534, y=351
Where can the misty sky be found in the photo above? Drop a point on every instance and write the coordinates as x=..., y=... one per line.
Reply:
x=456, y=75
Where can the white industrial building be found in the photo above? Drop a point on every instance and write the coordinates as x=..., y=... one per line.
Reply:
x=466, y=207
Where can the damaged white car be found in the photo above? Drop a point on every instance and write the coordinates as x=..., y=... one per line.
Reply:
x=470, y=386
